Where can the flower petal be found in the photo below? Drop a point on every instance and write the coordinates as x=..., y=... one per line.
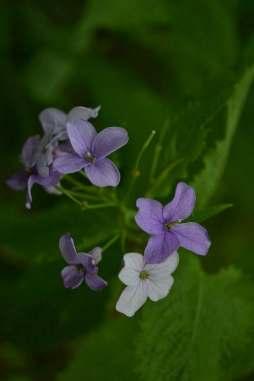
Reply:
x=132, y=299
x=83, y=113
x=193, y=237
x=96, y=254
x=109, y=140
x=129, y=277
x=30, y=151
x=159, y=288
x=18, y=181
x=164, y=268
x=149, y=217
x=133, y=265
x=72, y=278
x=160, y=279
x=45, y=182
x=68, y=250
x=103, y=173
x=159, y=247
x=52, y=120
x=134, y=261
x=69, y=163
x=182, y=204
x=81, y=134
x=95, y=282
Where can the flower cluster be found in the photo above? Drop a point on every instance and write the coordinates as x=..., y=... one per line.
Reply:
x=71, y=144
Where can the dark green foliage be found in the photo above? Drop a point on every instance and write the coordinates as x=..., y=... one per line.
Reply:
x=112, y=358
x=202, y=330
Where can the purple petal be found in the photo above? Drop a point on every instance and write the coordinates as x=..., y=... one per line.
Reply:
x=30, y=151
x=96, y=254
x=81, y=134
x=95, y=282
x=52, y=120
x=83, y=113
x=182, y=204
x=103, y=173
x=87, y=262
x=69, y=163
x=109, y=140
x=68, y=250
x=192, y=237
x=19, y=181
x=45, y=182
x=149, y=217
x=159, y=247
x=72, y=278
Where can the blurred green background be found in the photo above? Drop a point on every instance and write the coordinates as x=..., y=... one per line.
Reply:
x=145, y=62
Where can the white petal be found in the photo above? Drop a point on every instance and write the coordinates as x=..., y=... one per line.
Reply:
x=131, y=299
x=166, y=267
x=134, y=261
x=159, y=288
x=160, y=279
x=129, y=276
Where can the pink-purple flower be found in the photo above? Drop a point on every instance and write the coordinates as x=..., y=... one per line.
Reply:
x=26, y=178
x=90, y=151
x=164, y=224
x=82, y=267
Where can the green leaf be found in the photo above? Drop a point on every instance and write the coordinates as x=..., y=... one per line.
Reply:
x=205, y=214
x=34, y=236
x=200, y=330
x=107, y=353
x=215, y=161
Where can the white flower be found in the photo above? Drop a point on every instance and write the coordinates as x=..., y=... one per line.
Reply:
x=144, y=281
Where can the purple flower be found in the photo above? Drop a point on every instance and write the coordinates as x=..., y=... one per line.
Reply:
x=26, y=178
x=81, y=266
x=54, y=124
x=90, y=151
x=165, y=227
x=54, y=121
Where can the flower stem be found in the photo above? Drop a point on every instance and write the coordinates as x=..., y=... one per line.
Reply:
x=157, y=151
x=99, y=206
x=136, y=172
x=69, y=195
x=110, y=242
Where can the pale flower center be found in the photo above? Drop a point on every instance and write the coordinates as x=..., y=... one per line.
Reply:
x=89, y=157
x=144, y=275
x=169, y=225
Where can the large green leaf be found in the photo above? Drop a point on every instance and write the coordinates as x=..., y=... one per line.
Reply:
x=107, y=353
x=215, y=161
x=201, y=330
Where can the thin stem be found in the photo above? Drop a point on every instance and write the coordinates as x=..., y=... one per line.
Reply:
x=157, y=151
x=136, y=172
x=159, y=180
x=110, y=242
x=99, y=206
x=69, y=195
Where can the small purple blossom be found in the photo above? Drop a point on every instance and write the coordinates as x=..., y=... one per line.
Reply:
x=90, y=151
x=165, y=227
x=54, y=121
x=54, y=124
x=82, y=267
x=25, y=179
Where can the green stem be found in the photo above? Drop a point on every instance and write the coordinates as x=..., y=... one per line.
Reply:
x=157, y=151
x=110, y=242
x=99, y=206
x=136, y=172
x=69, y=195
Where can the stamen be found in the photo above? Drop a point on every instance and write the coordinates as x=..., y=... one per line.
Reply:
x=89, y=157
x=169, y=225
x=144, y=275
